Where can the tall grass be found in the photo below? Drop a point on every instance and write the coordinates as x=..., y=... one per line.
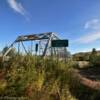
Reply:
x=35, y=78
x=41, y=79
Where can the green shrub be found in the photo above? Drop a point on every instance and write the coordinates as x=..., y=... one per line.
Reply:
x=95, y=60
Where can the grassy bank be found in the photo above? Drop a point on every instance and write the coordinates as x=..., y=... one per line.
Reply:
x=41, y=79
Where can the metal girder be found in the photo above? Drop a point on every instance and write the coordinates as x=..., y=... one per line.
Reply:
x=9, y=49
x=42, y=36
x=34, y=37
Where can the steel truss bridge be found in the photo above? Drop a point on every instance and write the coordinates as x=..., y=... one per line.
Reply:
x=41, y=42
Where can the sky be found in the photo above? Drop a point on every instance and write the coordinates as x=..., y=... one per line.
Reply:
x=75, y=20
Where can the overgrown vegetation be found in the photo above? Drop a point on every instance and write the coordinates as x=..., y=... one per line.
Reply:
x=34, y=78
x=94, y=58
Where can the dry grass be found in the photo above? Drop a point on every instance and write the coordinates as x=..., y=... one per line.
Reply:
x=35, y=78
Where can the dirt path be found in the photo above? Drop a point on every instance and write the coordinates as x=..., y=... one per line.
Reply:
x=89, y=77
x=91, y=73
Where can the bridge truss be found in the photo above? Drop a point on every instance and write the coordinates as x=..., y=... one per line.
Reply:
x=41, y=42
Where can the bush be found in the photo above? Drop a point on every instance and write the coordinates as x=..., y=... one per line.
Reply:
x=95, y=60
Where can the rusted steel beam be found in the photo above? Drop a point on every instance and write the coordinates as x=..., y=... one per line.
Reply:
x=34, y=37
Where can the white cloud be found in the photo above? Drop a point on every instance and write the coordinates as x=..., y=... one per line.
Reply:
x=92, y=24
x=17, y=7
x=89, y=38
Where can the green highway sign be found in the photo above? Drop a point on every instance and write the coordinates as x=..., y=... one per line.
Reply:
x=59, y=43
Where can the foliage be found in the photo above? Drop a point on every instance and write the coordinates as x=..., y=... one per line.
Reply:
x=11, y=53
x=36, y=78
x=81, y=57
x=95, y=60
x=40, y=79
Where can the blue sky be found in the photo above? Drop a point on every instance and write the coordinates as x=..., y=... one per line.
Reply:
x=75, y=20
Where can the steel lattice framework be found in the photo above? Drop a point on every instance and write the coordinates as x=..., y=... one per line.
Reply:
x=44, y=43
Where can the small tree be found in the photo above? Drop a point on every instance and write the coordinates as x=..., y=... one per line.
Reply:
x=94, y=58
x=93, y=54
x=11, y=53
x=94, y=51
